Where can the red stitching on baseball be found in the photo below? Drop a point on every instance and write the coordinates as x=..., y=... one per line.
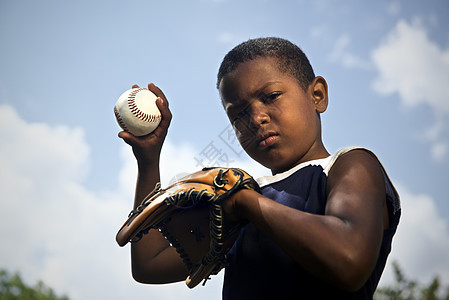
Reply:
x=135, y=109
x=120, y=120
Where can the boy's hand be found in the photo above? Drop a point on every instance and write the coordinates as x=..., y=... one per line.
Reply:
x=147, y=148
x=234, y=206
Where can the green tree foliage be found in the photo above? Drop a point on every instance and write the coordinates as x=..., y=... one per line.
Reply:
x=13, y=288
x=406, y=289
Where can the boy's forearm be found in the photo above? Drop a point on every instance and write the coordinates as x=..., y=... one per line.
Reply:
x=321, y=244
x=147, y=178
x=152, y=259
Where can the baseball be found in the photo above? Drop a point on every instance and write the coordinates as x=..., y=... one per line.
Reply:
x=136, y=111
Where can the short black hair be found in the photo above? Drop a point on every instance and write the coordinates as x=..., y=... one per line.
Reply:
x=291, y=59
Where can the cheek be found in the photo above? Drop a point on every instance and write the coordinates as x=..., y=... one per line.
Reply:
x=296, y=116
x=245, y=138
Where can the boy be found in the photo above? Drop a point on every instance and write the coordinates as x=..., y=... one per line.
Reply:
x=323, y=226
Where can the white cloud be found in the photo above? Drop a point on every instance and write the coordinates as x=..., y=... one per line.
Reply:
x=227, y=38
x=341, y=53
x=421, y=242
x=20, y=140
x=417, y=69
x=318, y=31
x=55, y=229
x=439, y=150
x=413, y=66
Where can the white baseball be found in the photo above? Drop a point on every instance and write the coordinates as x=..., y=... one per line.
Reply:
x=136, y=111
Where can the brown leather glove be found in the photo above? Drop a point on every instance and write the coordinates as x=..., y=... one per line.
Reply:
x=189, y=214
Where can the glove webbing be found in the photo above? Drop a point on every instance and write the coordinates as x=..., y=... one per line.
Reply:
x=174, y=242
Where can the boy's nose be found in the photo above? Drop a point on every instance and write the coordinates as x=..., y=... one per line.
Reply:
x=259, y=116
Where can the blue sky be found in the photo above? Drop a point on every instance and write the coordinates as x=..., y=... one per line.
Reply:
x=67, y=180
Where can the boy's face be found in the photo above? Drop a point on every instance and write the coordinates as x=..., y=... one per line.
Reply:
x=275, y=120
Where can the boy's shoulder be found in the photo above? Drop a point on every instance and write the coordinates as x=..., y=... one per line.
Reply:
x=352, y=154
x=325, y=164
x=363, y=158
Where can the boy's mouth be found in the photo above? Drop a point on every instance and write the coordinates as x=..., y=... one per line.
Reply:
x=267, y=139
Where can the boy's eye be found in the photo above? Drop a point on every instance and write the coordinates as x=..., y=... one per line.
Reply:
x=270, y=97
x=241, y=115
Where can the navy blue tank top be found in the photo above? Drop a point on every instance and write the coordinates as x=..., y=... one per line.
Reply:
x=259, y=269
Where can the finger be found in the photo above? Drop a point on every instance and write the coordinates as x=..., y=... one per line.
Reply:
x=135, y=86
x=163, y=108
x=166, y=117
x=157, y=91
x=127, y=137
x=131, y=139
x=123, y=134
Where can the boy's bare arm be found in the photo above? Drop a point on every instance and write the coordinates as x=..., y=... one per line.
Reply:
x=340, y=247
x=152, y=258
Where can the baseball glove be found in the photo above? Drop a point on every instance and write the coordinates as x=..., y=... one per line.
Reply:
x=189, y=214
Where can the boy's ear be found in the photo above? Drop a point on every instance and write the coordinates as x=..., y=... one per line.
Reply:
x=318, y=88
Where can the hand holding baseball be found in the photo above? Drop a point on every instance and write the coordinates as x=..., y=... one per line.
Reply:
x=150, y=144
x=136, y=111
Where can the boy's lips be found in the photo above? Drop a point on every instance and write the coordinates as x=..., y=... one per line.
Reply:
x=267, y=139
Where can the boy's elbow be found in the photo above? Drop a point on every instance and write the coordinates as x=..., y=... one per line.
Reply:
x=353, y=278
x=151, y=275
x=139, y=276
x=351, y=283
x=142, y=275
x=351, y=275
